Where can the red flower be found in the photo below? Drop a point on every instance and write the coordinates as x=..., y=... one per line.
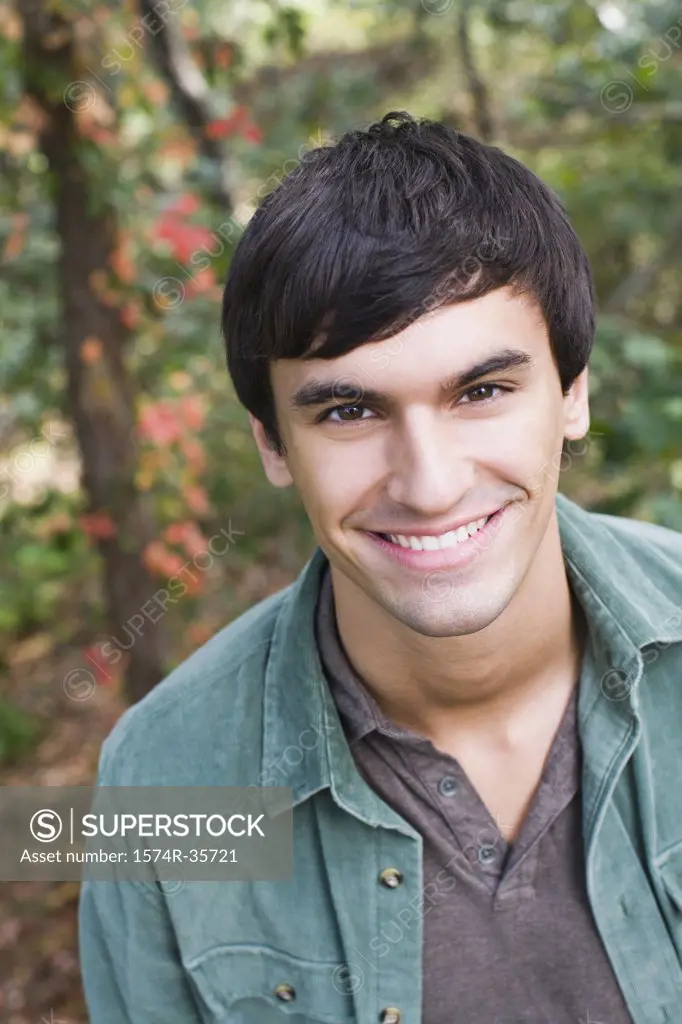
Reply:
x=98, y=525
x=160, y=424
x=253, y=133
x=184, y=239
x=158, y=559
x=185, y=204
x=237, y=123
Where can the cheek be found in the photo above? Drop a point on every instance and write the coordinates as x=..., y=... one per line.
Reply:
x=525, y=447
x=332, y=483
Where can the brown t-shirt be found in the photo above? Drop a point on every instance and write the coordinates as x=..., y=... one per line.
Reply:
x=509, y=936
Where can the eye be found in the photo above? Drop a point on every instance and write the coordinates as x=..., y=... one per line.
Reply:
x=327, y=414
x=481, y=393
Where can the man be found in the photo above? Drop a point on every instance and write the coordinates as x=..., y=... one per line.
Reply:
x=473, y=688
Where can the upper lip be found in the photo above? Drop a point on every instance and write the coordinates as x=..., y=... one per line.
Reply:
x=437, y=531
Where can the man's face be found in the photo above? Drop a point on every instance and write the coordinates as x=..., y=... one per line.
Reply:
x=405, y=447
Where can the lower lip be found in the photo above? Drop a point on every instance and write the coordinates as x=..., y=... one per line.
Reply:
x=444, y=558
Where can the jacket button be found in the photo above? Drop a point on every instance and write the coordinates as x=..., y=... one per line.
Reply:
x=448, y=785
x=486, y=854
x=287, y=993
x=391, y=878
x=391, y=1015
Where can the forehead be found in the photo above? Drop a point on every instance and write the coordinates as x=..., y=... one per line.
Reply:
x=445, y=342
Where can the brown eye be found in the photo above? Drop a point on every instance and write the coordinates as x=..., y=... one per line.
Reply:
x=483, y=393
x=476, y=395
x=343, y=409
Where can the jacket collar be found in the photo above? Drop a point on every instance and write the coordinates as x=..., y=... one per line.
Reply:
x=304, y=746
x=609, y=569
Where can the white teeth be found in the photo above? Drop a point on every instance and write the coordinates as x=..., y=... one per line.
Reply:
x=446, y=540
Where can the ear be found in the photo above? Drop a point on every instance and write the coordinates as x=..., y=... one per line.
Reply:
x=577, y=408
x=275, y=466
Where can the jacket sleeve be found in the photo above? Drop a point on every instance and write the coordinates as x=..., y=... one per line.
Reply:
x=130, y=965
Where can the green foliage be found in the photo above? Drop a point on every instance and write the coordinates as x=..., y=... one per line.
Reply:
x=19, y=732
x=43, y=552
x=637, y=412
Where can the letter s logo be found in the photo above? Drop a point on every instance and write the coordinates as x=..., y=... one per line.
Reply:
x=46, y=826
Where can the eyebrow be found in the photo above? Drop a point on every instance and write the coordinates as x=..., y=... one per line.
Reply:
x=318, y=392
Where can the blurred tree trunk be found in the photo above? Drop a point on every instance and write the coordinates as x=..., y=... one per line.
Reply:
x=190, y=94
x=477, y=88
x=100, y=391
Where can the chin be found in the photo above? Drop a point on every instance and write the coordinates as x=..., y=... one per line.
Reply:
x=445, y=607
x=435, y=623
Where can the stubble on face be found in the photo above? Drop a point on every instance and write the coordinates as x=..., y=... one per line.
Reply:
x=423, y=460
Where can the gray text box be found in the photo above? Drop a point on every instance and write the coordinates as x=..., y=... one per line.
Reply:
x=145, y=833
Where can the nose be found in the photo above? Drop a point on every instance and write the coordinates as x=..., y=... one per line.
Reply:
x=429, y=471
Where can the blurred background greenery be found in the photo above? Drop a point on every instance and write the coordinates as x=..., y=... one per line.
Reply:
x=136, y=140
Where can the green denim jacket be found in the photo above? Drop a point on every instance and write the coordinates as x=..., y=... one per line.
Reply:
x=252, y=707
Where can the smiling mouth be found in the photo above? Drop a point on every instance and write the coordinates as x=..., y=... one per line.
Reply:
x=442, y=542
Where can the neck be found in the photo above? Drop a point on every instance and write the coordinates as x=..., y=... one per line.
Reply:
x=501, y=682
